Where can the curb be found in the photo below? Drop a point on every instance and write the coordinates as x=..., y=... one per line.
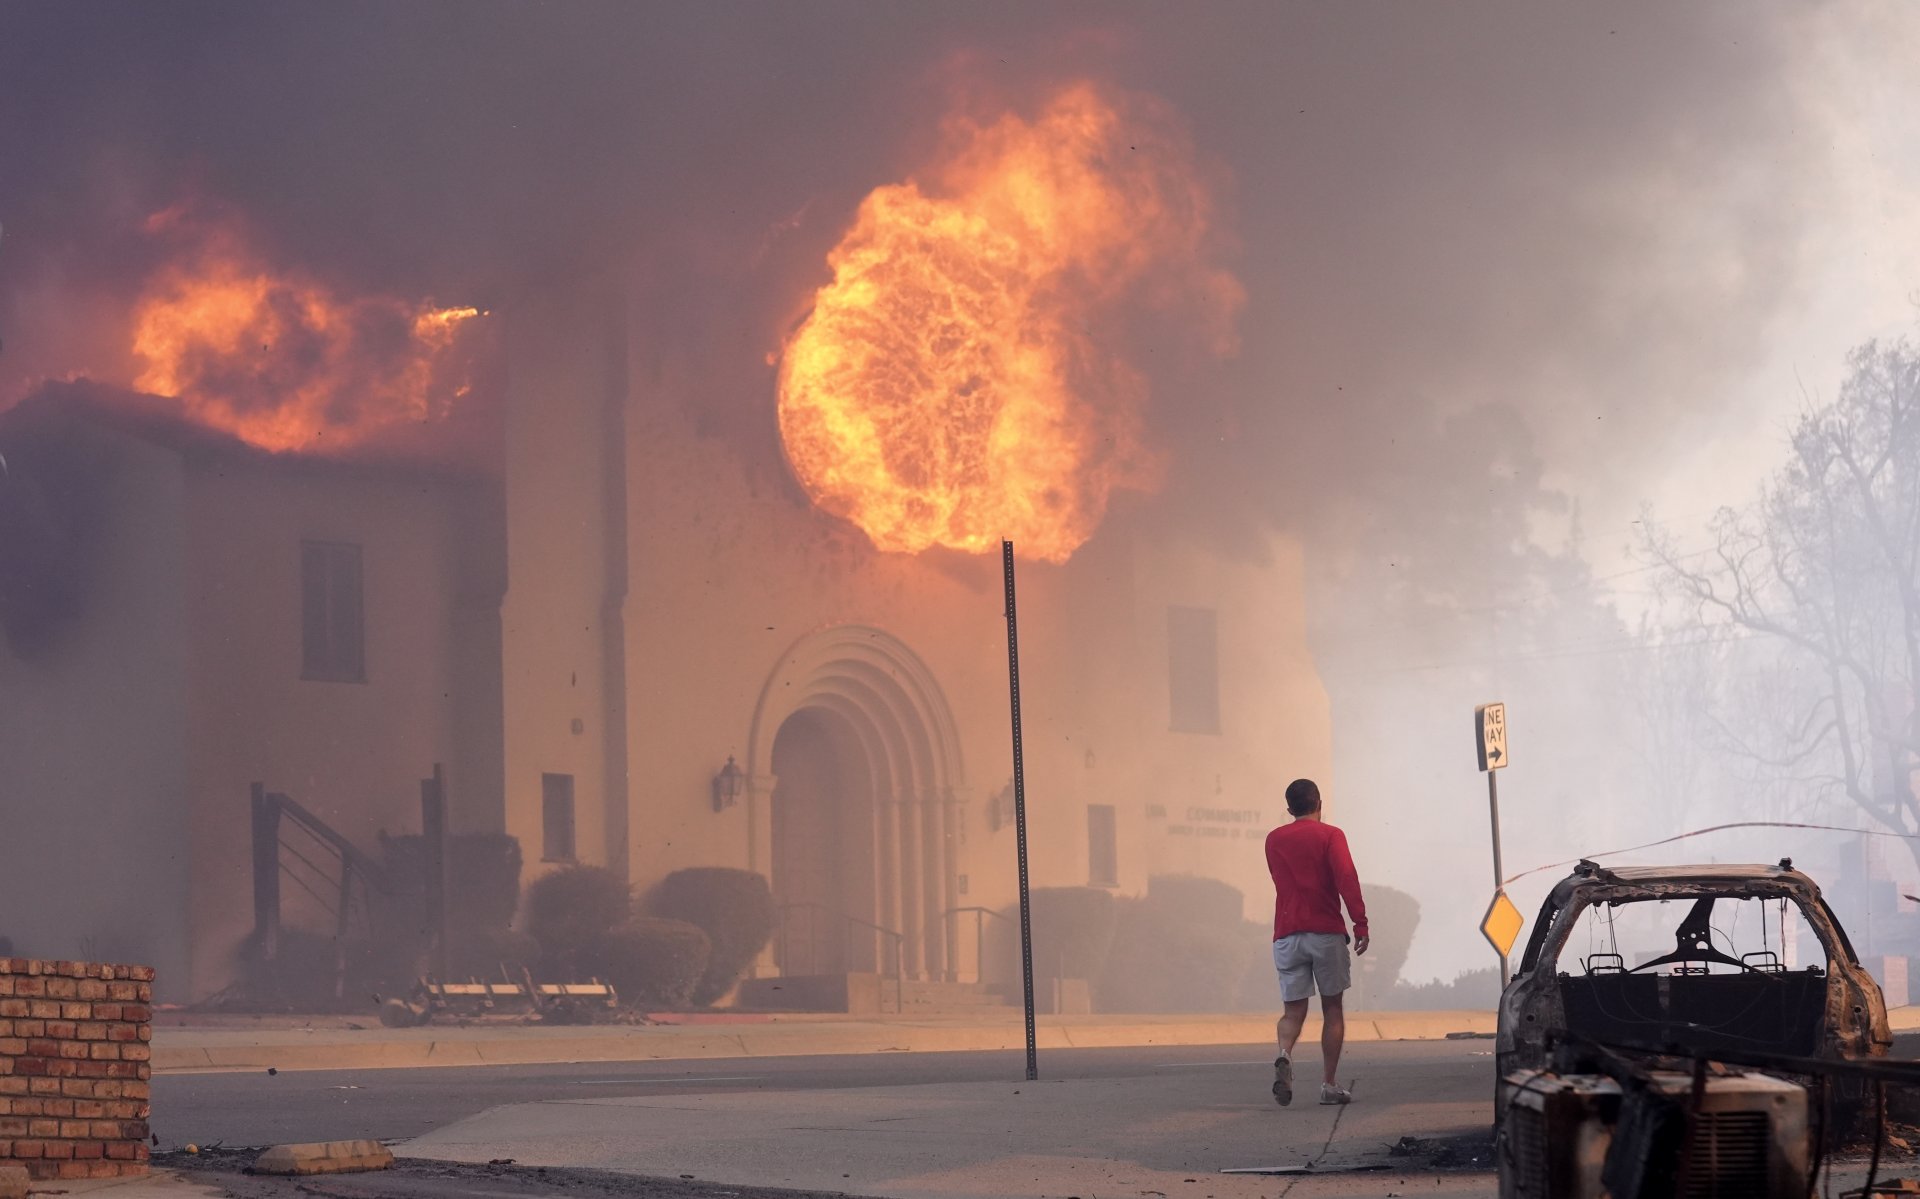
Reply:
x=324, y=1157
x=185, y=1052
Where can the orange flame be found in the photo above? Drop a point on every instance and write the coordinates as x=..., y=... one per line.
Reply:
x=949, y=387
x=282, y=362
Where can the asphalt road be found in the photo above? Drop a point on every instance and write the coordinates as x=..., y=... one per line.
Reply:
x=1144, y=1121
x=255, y=1108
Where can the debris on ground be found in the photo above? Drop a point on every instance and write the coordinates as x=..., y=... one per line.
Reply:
x=415, y=1178
x=324, y=1157
x=1360, y=1166
x=1467, y=1151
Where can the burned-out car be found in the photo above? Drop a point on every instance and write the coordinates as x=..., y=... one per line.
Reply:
x=1746, y=958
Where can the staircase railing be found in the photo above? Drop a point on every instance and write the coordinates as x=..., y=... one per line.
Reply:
x=893, y=940
x=331, y=884
x=979, y=914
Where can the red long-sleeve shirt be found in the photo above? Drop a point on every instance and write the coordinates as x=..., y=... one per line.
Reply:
x=1312, y=872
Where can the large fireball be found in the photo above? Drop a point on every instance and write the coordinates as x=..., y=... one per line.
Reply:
x=955, y=382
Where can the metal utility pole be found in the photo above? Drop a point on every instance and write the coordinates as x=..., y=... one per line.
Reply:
x=1499, y=875
x=1020, y=811
x=1502, y=922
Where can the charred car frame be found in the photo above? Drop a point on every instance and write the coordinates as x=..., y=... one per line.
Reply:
x=1829, y=1009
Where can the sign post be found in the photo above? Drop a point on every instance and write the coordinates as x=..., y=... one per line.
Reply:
x=1490, y=730
x=1020, y=812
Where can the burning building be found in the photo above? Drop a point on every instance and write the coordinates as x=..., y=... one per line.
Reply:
x=629, y=642
x=184, y=614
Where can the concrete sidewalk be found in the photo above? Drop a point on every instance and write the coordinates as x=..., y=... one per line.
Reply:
x=160, y=1184
x=1168, y=1133
x=336, y=1045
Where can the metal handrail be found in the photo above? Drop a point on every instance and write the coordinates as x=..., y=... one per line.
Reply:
x=270, y=864
x=996, y=913
x=895, y=939
x=898, y=941
x=350, y=854
x=979, y=934
x=813, y=940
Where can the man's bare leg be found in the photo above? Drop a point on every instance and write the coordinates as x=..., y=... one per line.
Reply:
x=1333, y=1038
x=1333, y=1033
x=1293, y=1018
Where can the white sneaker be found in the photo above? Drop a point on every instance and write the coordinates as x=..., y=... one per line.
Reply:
x=1282, y=1081
x=1333, y=1095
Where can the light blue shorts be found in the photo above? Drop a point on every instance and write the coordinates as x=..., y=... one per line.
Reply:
x=1309, y=962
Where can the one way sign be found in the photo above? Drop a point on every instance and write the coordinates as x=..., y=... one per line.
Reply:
x=1490, y=727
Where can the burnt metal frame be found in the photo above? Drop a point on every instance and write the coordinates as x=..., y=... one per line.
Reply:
x=1879, y=1073
x=1854, y=1023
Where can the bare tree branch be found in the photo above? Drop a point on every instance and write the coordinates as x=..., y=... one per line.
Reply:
x=1825, y=566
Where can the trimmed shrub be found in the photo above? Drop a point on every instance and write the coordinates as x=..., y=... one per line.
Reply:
x=1164, y=961
x=733, y=907
x=1392, y=917
x=653, y=963
x=302, y=974
x=484, y=953
x=1205, y=902
x=1469, y=991
x=1072, y=931
x=395, y=961
x=1259, y=986
x=569, y=908
x=483, y=881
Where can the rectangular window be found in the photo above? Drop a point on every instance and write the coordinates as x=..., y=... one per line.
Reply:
x=556, y=817
x=1103, y=850
x=1193, y=670
x=332, y=613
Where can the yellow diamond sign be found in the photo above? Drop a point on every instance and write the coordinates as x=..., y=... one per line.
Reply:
x=1502, y=924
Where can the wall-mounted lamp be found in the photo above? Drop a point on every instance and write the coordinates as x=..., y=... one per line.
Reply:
x=1000, y=809
x=729, y=785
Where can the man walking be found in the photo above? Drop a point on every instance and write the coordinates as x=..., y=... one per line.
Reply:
x=1312, y=873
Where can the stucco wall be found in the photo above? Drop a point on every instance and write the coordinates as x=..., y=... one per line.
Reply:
x=351, y=752
x=554, y=620
x=95, y=853
x=1204, y=803
x=732, y=574
x=732, y=579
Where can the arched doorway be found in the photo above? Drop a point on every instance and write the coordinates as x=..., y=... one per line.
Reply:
x=855, y=771
x=823, y=851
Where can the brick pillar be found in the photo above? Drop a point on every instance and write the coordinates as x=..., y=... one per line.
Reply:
x=74, y=1067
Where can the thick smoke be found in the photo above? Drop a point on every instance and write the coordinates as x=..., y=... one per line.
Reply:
x=1441, y=207
x=1505, y=265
